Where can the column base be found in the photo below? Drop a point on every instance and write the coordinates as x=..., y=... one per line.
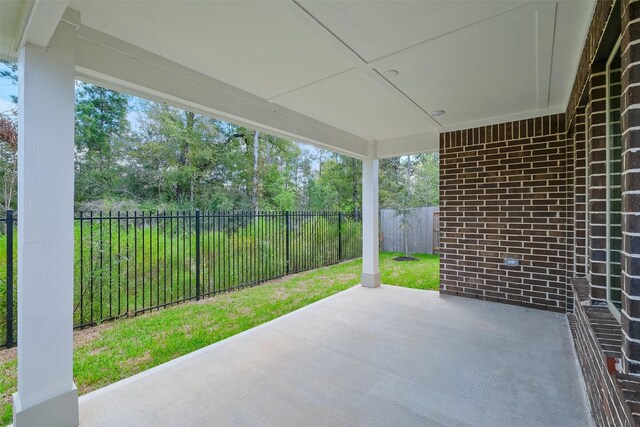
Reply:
x=59, y=411
x=370, y=280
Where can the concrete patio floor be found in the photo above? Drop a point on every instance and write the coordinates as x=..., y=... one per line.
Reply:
x=385, y=356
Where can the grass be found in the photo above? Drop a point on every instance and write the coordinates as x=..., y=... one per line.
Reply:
x=125, y=265
x=119, y=349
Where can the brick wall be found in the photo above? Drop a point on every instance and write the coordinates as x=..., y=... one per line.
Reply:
x=504, y=193
x=614, y=204
x=601, y=17
x=580, y=191
x=630, y=106
x=569, y=216
x=614, y=398
x=597, y=182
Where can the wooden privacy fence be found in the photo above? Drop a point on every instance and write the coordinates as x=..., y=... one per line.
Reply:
x=424, y=228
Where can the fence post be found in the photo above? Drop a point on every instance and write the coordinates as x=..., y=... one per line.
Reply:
x=9, y=277
x=286, y=229
x=339, y=236
x=197, y=254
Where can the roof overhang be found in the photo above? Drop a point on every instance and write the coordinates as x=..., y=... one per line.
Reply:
x=314, y=71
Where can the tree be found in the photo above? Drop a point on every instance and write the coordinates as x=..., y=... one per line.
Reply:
x=283, y=179
x=337, y=185
x=270, y=172
x=101, y=123
x=427, y=180
x=405, y=196
x=8, y=160
x=416, y=183
x=176, y=158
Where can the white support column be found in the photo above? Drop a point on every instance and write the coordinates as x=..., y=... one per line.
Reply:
x=370, y=240
x=46, y=392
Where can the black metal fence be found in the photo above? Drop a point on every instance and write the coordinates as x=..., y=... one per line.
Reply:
x=127, y=263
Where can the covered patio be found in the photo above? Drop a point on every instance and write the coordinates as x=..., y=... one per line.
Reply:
x=383, y=356
x=533, y=107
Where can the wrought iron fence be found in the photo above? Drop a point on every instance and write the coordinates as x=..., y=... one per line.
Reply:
x=127, y=263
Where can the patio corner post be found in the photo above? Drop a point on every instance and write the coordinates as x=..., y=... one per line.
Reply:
x=46, y=392
x=370, y=242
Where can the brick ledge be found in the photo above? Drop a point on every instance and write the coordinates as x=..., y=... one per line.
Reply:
x=606, y=329
x=605, y=326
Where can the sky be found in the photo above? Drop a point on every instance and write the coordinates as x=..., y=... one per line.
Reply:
x=7, y=89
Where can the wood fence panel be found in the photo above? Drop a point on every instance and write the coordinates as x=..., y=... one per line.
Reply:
x=421, y=230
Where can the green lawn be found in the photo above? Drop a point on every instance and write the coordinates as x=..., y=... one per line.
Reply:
x=116, y=350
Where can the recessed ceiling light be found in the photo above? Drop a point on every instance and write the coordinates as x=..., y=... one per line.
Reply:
x=437, y=113
x=390, y=74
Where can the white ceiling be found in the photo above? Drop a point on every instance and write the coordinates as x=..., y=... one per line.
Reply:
x=481, y=61
x=482, y=71
x=376, y=29
x=252, y=45
x=355, y=102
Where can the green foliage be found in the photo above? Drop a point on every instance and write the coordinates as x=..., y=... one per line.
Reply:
x=8, y=161
x=409, y=182
x=184, y=160
x=150, y=155
x=338, y=185
x=100, y=126
x=100, y=116
x=427, y=181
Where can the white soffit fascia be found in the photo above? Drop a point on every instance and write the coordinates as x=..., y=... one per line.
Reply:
x=408, y=145
x=151, y=75
x=107, y=61
x=42, y=20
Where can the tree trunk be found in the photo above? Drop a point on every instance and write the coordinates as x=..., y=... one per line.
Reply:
x=410, y=176
x=406, y=241
x=268, y=149
x=185, y=157
x=191, y=191
x=407, y=203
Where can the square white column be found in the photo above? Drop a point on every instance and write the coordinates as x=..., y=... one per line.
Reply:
x=46, y=392
x=370, y=240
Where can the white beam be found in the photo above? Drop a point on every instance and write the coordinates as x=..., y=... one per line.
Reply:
x=41, y=21
x=46, y=392
x=112, y=63
x=405, y=146
x=370, y=234
x=504, y=119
